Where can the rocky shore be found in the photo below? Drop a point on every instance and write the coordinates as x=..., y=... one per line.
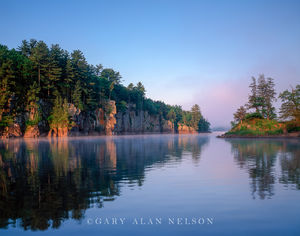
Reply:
x=98, y=122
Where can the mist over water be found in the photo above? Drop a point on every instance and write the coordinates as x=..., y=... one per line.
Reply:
x=64, y=185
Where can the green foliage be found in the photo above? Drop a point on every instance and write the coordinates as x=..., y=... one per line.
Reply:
x=122, y=106
x=203, y=125
x=254, y=115
x=256, y=127
x=76, y=97
x=240, y=114
x=171, y=115
x=195, y=116
x=290, y=107
x=6, y=120
x=262, y=96
x=59, y=117
x=292, y=126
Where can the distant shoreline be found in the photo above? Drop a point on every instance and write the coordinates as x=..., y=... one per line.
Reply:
x=290, y=135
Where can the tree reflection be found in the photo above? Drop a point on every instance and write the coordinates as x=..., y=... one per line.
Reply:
x=259, y=158
x=45, y=182
x=290, y=164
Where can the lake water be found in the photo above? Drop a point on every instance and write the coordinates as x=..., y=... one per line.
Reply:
x=157, y=184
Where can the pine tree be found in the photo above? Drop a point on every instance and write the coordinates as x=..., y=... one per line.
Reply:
x=54, y=69
x=40, y=57
x=290, y=107
x=253, y=99
x=76, y=97
x=195, y=116
x=240, y=114
x=171, y=115
x=266, y=94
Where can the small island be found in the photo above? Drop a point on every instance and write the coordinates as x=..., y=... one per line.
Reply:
x=258, y=118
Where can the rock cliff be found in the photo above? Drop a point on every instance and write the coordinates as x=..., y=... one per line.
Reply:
x=184, y=129
x=132, y=121
x=103, y=121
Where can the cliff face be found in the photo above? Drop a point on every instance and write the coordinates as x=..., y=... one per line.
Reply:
x=93, y=123
x=132, y=121
x=102, y=121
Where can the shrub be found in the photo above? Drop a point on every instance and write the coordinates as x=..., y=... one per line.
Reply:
x=121, y=106
x=292, y=127
x=254, y=115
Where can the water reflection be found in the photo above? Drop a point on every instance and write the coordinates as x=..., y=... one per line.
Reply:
x=43, y=183
x=259, y=158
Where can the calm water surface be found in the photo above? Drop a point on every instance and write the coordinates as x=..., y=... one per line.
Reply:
x=74, y=186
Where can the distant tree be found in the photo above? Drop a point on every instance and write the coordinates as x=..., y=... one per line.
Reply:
x=111, y=75
x=195, y=116
x=54, y=68
x=40, y=57
x=171, y=115
x=140, y=87
x=130, y=86
x=254, y=101
x=266, y=92
x=24, y=48
x=99, y=69
x=290, y=107
x=262, y=96
x=240, y=114
x=203, y=125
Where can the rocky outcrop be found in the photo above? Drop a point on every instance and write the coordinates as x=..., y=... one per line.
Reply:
x=132, y=121
x=32, y=132
x=93, y=123
x=59, y=132
x=184, y=129
x=12, y=131
x=110, y=119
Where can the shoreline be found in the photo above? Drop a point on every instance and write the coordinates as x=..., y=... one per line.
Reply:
x=42, y=137
x=295, y=135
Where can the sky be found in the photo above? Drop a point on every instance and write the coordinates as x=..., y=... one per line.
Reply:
x=184, y=52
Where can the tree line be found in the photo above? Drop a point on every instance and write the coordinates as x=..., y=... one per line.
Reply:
x=35, y=74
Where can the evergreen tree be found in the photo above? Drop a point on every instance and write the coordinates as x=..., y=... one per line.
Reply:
x=40, y=58
x=240, y=114
x=76, y=97
x=171, y=115
x=266, y=93
x=290, y=107
x=32, y=104
x=111, y=75
x=59, y=117
x=253, y=100
x=203, y=125
x=195, y=116
x=54, y=69
x=262, y=97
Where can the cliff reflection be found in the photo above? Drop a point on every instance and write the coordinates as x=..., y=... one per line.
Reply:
x=259, y=158
x=44, y=182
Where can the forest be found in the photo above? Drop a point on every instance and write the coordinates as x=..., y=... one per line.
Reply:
x=38, y=76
